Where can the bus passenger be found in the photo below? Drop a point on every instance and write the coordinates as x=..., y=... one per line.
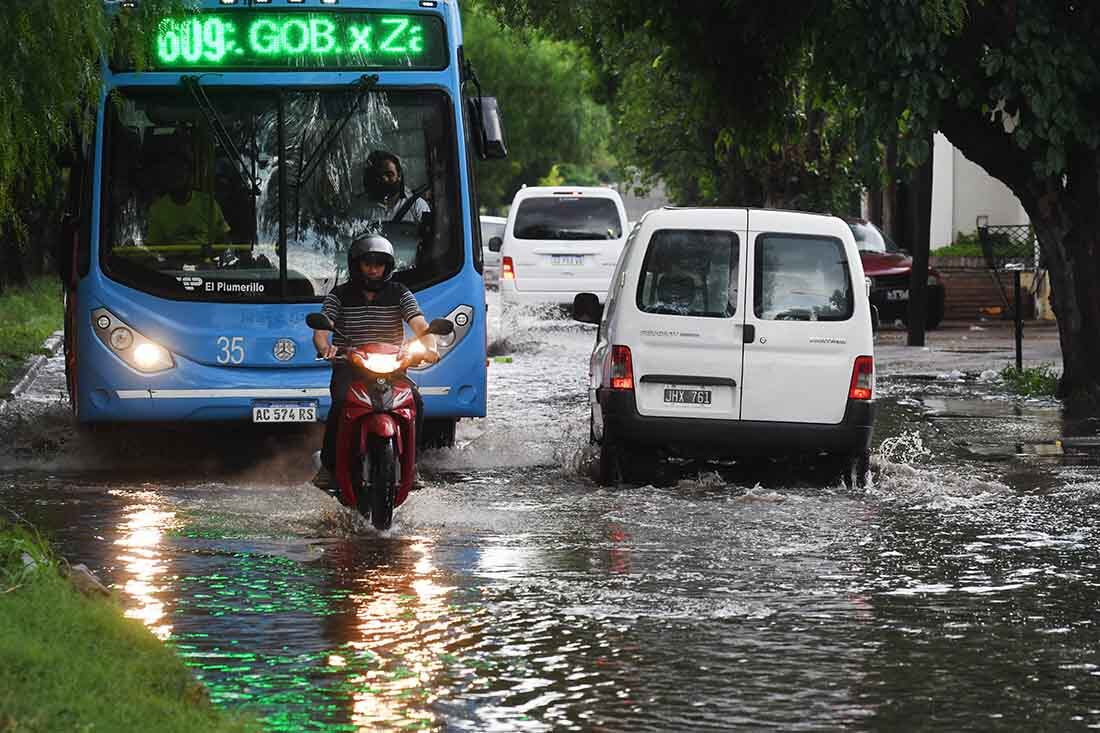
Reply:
x=182, y=215
x=369, y=308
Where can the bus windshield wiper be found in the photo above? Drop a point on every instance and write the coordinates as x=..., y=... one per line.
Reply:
x=305, y=170
x=221, y=134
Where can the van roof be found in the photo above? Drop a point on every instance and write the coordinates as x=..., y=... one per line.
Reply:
x=528, y=191
x=745, y=208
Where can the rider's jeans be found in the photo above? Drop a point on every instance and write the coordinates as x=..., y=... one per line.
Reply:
x=342, y=377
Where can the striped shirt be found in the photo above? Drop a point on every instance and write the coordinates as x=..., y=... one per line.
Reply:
x=363, y=321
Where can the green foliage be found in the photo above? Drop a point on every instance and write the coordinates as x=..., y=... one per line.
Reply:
x=545, y=89
x=965, y=245
x=72, y=663
x=50, y=84
x=721, y=100
x=1040, y=381
x=27, y=316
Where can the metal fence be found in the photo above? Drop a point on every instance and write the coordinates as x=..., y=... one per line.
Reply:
x=1009, y=246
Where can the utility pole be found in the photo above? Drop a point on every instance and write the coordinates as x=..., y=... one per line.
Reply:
x=921, y=229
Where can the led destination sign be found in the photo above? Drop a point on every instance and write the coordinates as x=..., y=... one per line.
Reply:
x=338, y=40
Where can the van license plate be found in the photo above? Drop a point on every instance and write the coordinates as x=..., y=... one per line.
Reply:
x=899, y=294
x=568, y=259
x=688, y=396
x=284, y=413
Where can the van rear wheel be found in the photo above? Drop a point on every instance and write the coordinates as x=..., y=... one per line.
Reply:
x=853, y=470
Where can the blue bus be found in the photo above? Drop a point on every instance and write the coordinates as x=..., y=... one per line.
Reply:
x=212, y=208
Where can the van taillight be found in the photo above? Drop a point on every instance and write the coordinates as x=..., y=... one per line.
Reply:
x=507, y=269
x=863, y=379
x=622, y=369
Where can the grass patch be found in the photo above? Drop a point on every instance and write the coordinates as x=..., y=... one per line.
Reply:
x=76, y=664
x=1040, y=381
x=27, y=316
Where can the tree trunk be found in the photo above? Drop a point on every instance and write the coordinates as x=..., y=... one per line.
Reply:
x=1066, y=221
x=1066, y=215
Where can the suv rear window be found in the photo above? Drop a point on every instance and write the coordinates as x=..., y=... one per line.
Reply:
x=568, y=217
x=801, y=278
x=690, y=272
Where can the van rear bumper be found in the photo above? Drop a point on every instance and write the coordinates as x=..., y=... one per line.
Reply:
x=736, y=438
x=510, y=296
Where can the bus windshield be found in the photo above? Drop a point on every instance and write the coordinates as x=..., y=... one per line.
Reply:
x=194, y=199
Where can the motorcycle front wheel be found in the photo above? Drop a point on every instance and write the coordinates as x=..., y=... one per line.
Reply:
x=380, y=472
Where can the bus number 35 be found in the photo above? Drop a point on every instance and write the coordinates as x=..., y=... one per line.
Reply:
x=230, y=350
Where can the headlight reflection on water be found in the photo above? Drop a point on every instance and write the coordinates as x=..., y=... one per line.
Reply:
x=141, y=537
x=409, y=633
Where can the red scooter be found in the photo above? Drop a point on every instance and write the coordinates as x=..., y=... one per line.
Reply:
x=376, y=435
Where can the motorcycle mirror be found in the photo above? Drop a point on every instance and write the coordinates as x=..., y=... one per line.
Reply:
x=320, y=322
x=495, y=244
x=441, y=327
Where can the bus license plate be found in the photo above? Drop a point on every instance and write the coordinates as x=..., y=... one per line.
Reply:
x=284, y=413
x=688, y=396
x=568, y=259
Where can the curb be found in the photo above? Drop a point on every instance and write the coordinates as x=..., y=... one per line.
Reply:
x=52, y=345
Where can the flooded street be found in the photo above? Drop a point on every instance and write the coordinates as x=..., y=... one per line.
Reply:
x=958, y=591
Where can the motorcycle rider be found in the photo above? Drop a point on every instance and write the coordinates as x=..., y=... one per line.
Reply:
x=369, y=307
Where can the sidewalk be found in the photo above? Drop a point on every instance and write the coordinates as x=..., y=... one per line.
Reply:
x=967, y=346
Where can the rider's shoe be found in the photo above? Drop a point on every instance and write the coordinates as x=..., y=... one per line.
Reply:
x=323, y=479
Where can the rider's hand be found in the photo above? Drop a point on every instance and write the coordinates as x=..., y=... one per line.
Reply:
x=329, y=352
x=430, y=356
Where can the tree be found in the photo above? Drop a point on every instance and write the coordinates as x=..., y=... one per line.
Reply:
x=545, y=89
x=49, y=86
x=1014, y=85
x=720, y=100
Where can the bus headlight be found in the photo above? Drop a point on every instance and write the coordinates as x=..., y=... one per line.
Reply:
x=128, y=344
x=462, y=317
x=149, y=357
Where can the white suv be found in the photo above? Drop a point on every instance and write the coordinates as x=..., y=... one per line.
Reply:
x=560, y=241
x=732, y=333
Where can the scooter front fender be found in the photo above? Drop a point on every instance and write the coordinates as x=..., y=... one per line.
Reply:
x=381, y=424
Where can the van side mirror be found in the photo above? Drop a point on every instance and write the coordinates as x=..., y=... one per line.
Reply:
x=489, y=128
x=587, y=308
x=495, y=244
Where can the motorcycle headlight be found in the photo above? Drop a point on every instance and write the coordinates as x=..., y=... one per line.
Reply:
x=129, y=344
x=377, y=363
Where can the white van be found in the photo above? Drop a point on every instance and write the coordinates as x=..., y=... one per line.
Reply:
x=733, y=333
x=560, y=241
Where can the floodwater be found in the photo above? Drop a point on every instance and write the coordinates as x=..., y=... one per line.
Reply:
x=956, y=592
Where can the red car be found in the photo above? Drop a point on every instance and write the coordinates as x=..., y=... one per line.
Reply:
x=889, y=268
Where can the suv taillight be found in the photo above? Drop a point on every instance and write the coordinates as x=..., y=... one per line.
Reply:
x=621, y=369
x=863, y=379
x=507, y=269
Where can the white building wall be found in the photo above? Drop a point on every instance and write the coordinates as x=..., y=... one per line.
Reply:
x=962, y=191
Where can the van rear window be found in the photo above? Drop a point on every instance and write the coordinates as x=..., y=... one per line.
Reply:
x=801, y=278
x=568, y=217
x=690, y=272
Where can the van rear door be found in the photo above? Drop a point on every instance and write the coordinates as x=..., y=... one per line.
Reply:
x=566, y=242
x=687, y=362
x=801, y=305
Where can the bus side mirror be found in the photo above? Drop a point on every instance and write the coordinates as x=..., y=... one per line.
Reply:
x=587, y=308
x=495, y=244
x=489, y=135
